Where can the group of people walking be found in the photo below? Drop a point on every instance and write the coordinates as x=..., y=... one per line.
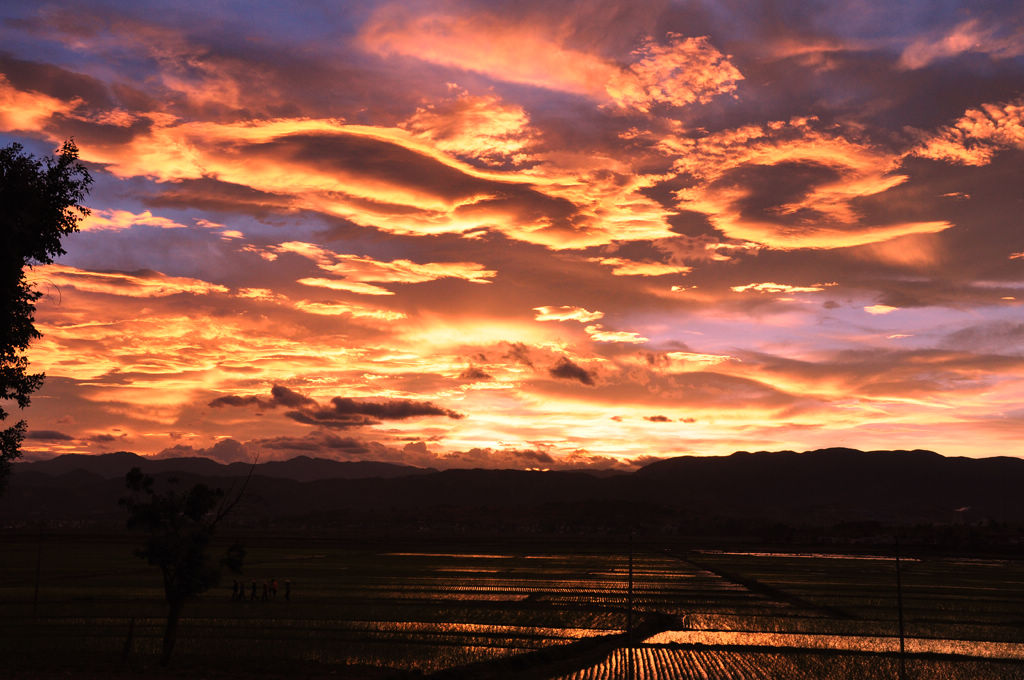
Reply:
x=268, y=591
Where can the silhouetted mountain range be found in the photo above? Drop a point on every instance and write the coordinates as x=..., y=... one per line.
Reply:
x=824, y=488
x=300, y=469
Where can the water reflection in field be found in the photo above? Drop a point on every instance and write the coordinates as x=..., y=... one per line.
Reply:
x=850, y=643
x=805, y=555
x=675, y=663
x=746, y=615
x=466, y=556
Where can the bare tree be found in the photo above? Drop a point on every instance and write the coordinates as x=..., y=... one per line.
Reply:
x=180, y=526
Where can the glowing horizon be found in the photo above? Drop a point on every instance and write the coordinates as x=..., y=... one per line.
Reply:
x=507, y=235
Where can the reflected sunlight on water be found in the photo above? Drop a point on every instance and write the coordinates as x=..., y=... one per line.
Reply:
x=817, y=556
x=852, y=643
x=456, y=555
x=434, y=627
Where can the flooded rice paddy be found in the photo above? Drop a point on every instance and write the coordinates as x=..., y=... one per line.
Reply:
x=848, y=643
x=560, y=613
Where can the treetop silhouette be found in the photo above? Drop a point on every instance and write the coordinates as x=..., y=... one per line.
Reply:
x=40, y=204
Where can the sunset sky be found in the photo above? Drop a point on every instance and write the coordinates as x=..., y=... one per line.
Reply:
x=528, y=234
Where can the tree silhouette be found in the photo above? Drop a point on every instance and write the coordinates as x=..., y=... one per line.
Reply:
x=180, y=526
x=40, y=203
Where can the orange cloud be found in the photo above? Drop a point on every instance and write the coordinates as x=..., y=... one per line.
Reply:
x=357, y=287
x=977, y=136
x=29, y=111
x=677, y=72
x=144, y=284
x=144, y=359
x=359, y=271
x=117, y=220
x=624, y=267
x=362, y=268
x=424, y=178
x=880, y=309
x=487, y=44
x=174, y=151
x=598, y=334
x=184, y=70
x=668, y=363
x=769, y=287
x=143, y=349
x=104, y=219
x=968, y=36
x=338, y=308
x=566, y=313
x=479, y=127
x=683, y=361
x=411, y=188
x=608, y=195
x=320, y=308
x=916, y=250
x=823, y=216
x=894, y=385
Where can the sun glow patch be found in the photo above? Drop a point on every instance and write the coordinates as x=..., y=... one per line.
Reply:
x=880, y=309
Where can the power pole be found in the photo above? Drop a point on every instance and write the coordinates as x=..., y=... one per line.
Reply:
x=899, y=606
x=39, y=565
x=629, y=611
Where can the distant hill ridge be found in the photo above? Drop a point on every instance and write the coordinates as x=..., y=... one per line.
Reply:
x=742, y=463
x=300, y=468
x=818, y=488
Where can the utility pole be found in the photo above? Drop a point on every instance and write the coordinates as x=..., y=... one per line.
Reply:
x=629, y=611
x=39, y=565
x=899, y=606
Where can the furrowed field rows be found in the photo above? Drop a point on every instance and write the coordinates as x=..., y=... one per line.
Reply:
x=858, y=643
x=659, y=663
x=793, y=622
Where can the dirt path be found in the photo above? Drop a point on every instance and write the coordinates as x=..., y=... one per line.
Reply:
x=767, y=591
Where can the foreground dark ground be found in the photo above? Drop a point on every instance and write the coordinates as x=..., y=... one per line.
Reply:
x=81, y=605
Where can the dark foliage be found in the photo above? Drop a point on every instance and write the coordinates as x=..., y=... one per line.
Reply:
x=40, y=203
